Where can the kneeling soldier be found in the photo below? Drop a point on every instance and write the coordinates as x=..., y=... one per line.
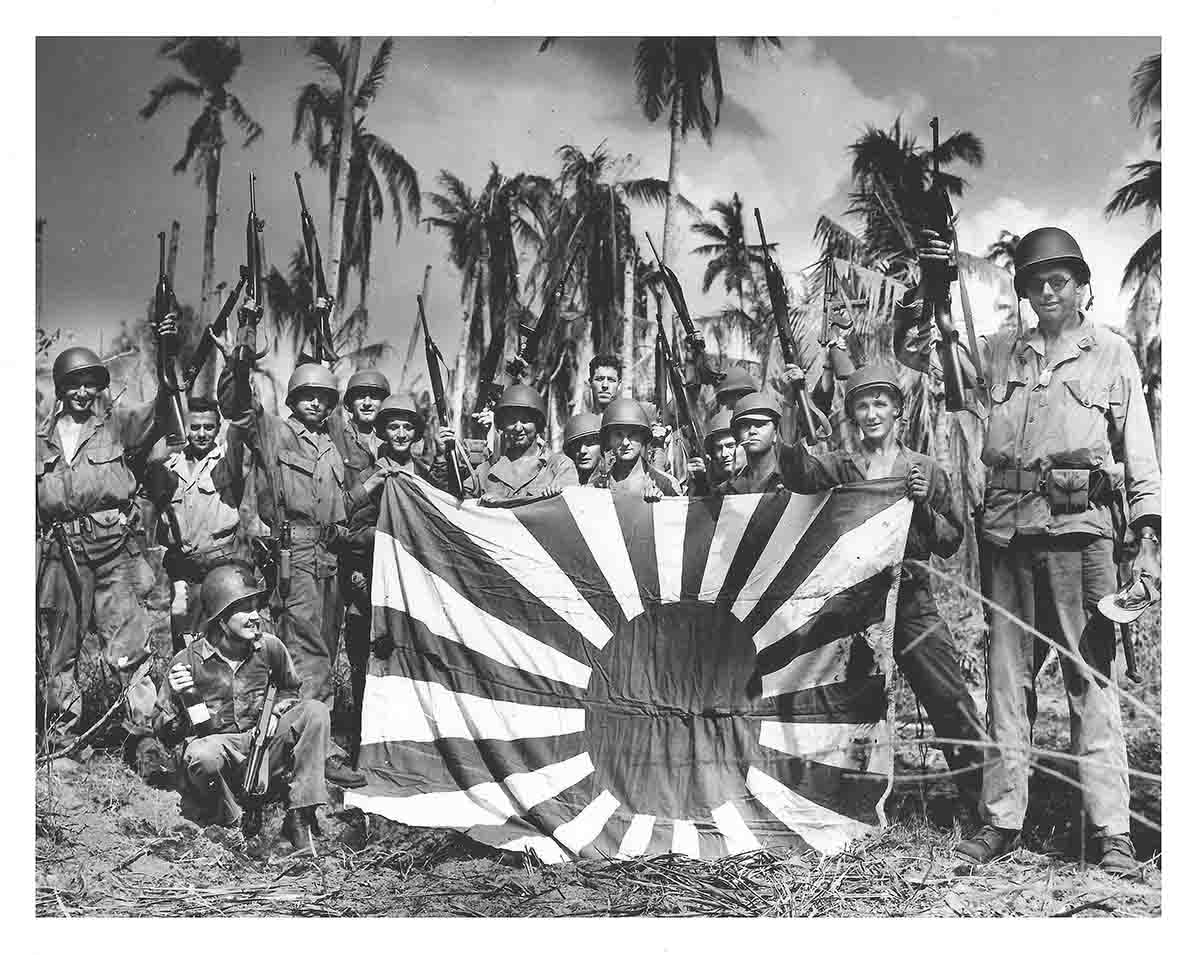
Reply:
x=213, y=698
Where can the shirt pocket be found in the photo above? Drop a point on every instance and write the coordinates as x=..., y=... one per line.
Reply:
x=1009, y=399
x=1081, y=437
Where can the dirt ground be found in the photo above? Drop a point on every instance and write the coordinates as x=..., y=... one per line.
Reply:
x=109, y=845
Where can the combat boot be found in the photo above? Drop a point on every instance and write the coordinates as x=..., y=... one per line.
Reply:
x=297, y=831
x=1116, y=856
x=987, y=844
x=341, y=773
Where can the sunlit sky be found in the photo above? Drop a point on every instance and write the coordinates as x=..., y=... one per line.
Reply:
x=1052, y=115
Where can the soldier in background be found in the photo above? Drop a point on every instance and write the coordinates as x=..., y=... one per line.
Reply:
x=755, y=422
x=581, y=443
x=720, y=446
x=353, y=427
x=87, y=461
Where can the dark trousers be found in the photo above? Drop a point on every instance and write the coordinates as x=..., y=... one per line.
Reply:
x=924, y=651
x=358, y=653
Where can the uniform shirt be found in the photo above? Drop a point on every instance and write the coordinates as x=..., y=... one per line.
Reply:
x=96, y=479
x=635, y=480
x=937, y=528
x=234, y=697
x=363, y=507
x=1085, y=410
x=743, y=482
x=358, y=450
x=205, y=495
x=539, y=467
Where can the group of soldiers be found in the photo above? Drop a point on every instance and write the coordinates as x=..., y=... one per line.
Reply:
x=1069, y=438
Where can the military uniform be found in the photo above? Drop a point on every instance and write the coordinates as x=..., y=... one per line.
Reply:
x=527, y=478
x=89, y=491
x=635, y=480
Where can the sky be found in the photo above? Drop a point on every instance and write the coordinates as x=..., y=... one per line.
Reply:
x=1052, y=115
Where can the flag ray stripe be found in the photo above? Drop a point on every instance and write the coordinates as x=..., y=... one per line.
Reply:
x=498, y=533
x=482, y=805
x=856, y=746
x=733, y=828
x=876, y=545
x=670, y=526
x=702, y=516
x=444, y=550
x=405, y=709
x=596, y=517
x=401, y=582
x=764, y=520
x=685, y=840
x=785, y=535
x=552, y=525
x=736, y=511
x=812, y=669
x=636, y=522
x=852, y=794
x=858, y=700
x=826, y=831
x=424, y=655
x=545, y=848
x=845, y=509
x=585, y=827
x=448, y=765
x=851, y=611
x=637, y=836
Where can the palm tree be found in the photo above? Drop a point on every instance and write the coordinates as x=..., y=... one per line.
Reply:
x=376, y=167
x=726, y=249
x=1001, y=251
x=209, y=64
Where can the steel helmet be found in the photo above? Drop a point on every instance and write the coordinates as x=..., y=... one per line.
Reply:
x=718, y=424
x=522, y=396
x=225, y=586
x=579, y=426
x=311, y=375
x=366, y=379
x=624, y=411
x=760, y=402
x=1044, y=247
x=398, y=406
x=872, y=376
x=77, y=359
x=737, y=382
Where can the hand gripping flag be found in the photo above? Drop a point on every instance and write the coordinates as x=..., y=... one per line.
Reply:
x=593, y=675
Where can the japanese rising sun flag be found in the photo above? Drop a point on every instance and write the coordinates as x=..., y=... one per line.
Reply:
x=594, y=675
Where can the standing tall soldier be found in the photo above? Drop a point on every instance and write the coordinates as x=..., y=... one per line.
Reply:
x=1068, y=431
x=296, y=459
x=94, y=569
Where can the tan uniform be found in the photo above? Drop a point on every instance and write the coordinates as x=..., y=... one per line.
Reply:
x=527, y=478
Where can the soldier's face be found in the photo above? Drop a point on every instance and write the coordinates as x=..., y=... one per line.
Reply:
x=202, y=427
x=312, y=405
x=724, y=451
x=244, y=624
x=364, y=406
x=587, y=453
x=520, y=427
x=626, y=442
x=757, y=435
x=605, y=384
x=79, y=391
x=875, y=412
x=400, y=433
x=1053, y=292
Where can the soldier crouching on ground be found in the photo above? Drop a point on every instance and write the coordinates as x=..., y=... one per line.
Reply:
x=224, y=673
x=923, y=646
x=625, y=433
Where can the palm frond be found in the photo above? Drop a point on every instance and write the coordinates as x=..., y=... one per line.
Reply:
x=330, y=56
x=1145, y=95
x=399, y=177
x=167, y=90
x=652, y=77
x=203, y=135
x=372, y=82
x=1146, y=262
x=245, y=122
x=1142, y=191
x=649, y=190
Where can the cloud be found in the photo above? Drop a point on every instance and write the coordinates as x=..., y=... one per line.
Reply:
x=973, y=54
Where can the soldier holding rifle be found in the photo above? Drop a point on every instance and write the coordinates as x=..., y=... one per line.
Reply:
x=1068, y=433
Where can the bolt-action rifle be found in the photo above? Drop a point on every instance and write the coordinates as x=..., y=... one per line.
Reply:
x=529, y=337
x=685, y=419
x=165, y=307
x=212, y=335
x=813, y=424
x=433, y=356
x=319, y=335
x=691, y=335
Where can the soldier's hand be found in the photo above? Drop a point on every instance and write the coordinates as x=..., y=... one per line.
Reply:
x=446, y=436
x=658, y=433
x=933, y=248
x=180, y=678
x=358, y=580
x=696, y=466
x=485, y=417
x=552, y=489
x=1147, y=566
x=167, y=326
x=918, y=484
x=793, y=374
x=651, y=492
x=375, y=482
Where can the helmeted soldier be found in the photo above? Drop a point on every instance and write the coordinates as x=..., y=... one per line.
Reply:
x=299, y=477
x=720, y=448
x=526, y=468
x=1068, y=432
x=352, y=428
x=88, y=465
x=736, y=384
x=625, y=435
x=581, y=443
x=755, y=423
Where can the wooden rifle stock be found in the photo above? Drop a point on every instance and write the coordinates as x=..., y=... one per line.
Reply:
x=432, y=356
x=256, y=772
x=319, y=334
x=168, y=352
x=937, y=288
x=691, y=335
x=684, y=418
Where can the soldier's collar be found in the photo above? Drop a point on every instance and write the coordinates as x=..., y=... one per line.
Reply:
x=204, y=649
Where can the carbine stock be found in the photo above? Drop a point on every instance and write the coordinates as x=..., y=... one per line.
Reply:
x=433, y=360
x=167, y=356
x=256, y=771
x=319, y=336
x=691, y=335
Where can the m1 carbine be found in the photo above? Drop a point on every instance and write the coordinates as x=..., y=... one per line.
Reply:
x=691, y=335
x=256, y=771
x=433, y=357
x=319, y=335
x=529, y=337
x=212, y=335
x=166, y=307
x=685, y=419
x=813, y=426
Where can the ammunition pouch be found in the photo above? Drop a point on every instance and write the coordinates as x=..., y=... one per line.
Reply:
x=1068, y=490
x=476, y=449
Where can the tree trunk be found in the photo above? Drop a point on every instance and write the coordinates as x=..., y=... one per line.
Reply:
x=675, y=127
x=459, y=386
x=337, y=215
x=627, y=336
x=212, y=179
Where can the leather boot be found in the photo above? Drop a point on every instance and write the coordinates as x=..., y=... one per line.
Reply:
x=297, y=831
x=340, y=773
x=1116, y=856
x=987, y=844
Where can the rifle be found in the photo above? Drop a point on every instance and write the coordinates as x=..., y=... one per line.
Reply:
x=684, y=417
x=692, y=337
x=809, y=416
x=529, y=337
x=433, y=355
x=256, y=773
x=938, y=276
x=212, y=335
x=322, y=302
x=168, y=351
x=251, y=312
x=70, y=564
